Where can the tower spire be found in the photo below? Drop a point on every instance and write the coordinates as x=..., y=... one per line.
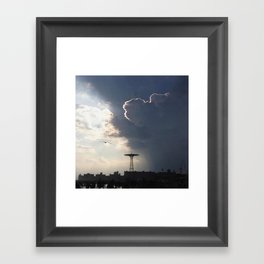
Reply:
x=131, y=164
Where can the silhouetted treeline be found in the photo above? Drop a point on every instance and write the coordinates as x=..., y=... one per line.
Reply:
x=135, y=179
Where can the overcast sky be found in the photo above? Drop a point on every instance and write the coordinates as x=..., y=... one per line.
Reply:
x=147, y=115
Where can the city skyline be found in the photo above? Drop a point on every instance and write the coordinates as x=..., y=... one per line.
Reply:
x=133, y=179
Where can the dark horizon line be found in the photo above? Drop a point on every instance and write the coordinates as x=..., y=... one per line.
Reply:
x=180, y=171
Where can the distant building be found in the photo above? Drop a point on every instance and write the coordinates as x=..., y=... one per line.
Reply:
x=134, y=179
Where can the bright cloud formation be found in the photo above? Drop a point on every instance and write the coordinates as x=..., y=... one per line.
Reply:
x=98, y=146
x=136, y=109
x=92, y=121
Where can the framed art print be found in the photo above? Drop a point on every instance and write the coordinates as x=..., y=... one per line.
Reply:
x=132, y=132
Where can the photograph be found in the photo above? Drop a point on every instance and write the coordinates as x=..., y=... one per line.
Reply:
x=131, y=132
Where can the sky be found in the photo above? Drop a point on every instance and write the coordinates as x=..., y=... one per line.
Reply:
x=147, y=115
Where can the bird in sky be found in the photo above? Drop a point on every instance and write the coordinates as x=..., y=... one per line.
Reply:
x=106, y=142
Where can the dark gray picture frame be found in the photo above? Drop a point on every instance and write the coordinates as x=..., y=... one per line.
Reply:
x=216, y=233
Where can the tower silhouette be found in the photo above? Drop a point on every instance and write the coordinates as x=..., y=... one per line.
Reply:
x=131, y=156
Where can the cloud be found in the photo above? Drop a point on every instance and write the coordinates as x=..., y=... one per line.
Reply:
x=92, y=121
x=84, y=149
x=137, y=109
x=98, y=144
x=157, y=128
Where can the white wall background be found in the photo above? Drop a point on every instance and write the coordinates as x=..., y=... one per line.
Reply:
x=17, y=130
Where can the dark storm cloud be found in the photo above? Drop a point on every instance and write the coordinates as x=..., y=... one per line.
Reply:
x=152, y=113
x=117, y=89
x=157, y=128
